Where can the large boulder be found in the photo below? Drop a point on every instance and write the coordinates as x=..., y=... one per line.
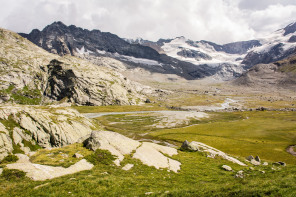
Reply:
x=148, y=153
x=198, y=146
x=152, y=155
x=117, y=144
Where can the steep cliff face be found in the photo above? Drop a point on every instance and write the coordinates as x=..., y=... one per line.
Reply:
x=30, y=75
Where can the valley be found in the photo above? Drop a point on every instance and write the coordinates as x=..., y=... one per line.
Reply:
x=86, y=113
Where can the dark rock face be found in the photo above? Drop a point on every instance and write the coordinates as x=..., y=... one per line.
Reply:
x=234, y=47
x=188, y=53
x=61, y=39
x=61, y=82
x=290, y=29
x=276, y=53
x=292, y=39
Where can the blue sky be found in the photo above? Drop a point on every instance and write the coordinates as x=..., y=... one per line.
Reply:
x=220, y=21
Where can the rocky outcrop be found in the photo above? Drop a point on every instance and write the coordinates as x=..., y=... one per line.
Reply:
x=30, y=75
x=212, y=152
x=51, y=127
x=39, y=172
x=278, y=74
x=275, y=53
x=117, y=144
x=148, y=153
x=188, y=53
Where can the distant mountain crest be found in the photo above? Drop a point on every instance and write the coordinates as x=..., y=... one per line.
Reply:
x=291, y=28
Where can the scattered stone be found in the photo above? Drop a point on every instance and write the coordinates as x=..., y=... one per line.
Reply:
x=239, y=174
x=263, y=172
x=128, y=167
x=265, y=164
x=77, y=155
x=251, y=168
x=211, y=156
x=104, y=173
x=280, y=163
x=149, y=193
x=255, y=163
x=257, y=158
x=250, y=158
x=227, y=168
x=1, y=170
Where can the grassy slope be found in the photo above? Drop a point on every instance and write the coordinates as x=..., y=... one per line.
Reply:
x=200, y=176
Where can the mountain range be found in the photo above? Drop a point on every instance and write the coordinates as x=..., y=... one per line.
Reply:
x=180, y=56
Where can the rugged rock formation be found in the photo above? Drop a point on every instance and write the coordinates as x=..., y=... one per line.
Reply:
x=30, y=75
x=51, y=127
x=212, y=152
x=278, y=74
x=148, y=153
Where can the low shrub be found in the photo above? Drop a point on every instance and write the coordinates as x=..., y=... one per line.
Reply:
x=100, y=157
x=9, y=159
x=12, y=174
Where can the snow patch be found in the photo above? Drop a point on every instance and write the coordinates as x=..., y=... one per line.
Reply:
x=82, y=51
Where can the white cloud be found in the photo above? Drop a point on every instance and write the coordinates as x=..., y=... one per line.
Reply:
x=219, y=21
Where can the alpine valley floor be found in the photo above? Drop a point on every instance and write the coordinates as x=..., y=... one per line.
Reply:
x=256, y=122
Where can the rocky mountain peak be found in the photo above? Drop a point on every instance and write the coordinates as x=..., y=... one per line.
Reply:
x=291, y=28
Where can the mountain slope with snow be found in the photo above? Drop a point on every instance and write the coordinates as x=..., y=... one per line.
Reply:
x=180, y=56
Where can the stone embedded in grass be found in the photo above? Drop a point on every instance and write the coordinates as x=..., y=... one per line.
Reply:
x=151, y=154
x=128, y=167
x=257, y=158
x=198, y=146
x=77, y=155
x=250, y=158
x=227, y=168
x=280, y=163
x=239, y=174
x=1, y=170
x=42, y=172
x=265, y=164
x=255, y=163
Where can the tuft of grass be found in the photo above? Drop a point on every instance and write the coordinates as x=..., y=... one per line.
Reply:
x=33, y=147
x=100, y=157
x=13, y=174
x=9, y=159
x=60, y=156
